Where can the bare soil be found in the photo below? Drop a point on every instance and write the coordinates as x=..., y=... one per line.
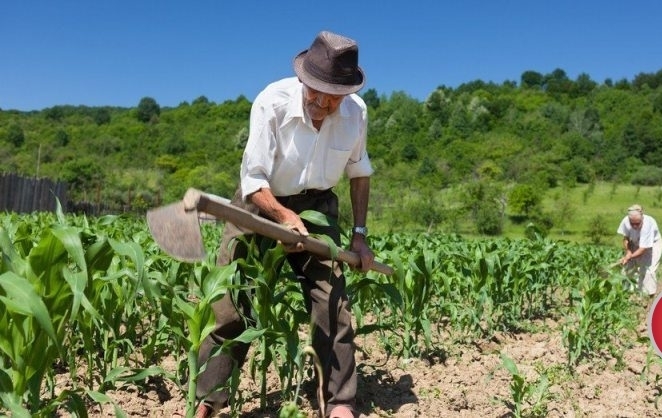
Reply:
x=459, y=381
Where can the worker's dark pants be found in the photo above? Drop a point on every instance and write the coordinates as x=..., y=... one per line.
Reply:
x=326, y=301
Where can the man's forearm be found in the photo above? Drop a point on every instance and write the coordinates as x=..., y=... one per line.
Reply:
x=271, y=208
x=359, y=191
x=267, y=204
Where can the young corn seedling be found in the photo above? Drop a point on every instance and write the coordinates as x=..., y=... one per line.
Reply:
x=601, y=312
x=528, y=398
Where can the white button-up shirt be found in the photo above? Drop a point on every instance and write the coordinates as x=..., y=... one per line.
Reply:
x=643, y=237
x=287, y=154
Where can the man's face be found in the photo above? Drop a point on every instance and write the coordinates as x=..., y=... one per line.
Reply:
x=319, y=105
x=635, y=221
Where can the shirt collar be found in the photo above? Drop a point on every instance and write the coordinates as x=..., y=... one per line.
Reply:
x=295, y=106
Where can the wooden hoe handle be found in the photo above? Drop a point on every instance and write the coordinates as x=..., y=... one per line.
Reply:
x=222, y=208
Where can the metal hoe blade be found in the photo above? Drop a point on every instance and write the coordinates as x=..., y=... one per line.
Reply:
x=177, y=231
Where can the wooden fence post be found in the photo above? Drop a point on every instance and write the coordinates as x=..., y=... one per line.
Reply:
x=24, y=195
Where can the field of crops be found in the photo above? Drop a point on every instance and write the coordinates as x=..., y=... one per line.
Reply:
x=97, y=301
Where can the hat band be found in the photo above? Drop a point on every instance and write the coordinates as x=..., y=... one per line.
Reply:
x=347, y=79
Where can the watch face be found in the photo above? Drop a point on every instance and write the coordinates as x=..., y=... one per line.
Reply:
x=360, y=230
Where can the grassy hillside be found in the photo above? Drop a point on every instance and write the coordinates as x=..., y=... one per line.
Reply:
x=573, y=211
x=586, y=202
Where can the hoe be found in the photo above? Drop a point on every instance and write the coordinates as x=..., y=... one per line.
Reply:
x=176, y=229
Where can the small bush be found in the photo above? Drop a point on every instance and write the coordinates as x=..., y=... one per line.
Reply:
x=489, y=220
x=647, y=176
x=597, y=229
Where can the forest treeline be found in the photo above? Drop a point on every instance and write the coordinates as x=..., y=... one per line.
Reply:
x=497, y=146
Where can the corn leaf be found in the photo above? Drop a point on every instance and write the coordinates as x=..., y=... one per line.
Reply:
x=25, y=300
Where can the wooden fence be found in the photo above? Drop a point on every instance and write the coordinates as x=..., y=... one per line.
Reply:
x=25, y=195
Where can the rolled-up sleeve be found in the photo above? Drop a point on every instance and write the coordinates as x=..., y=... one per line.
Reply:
x=359, y=163
x=622, y=228
x=360, y=168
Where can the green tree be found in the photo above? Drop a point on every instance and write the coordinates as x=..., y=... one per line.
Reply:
x=647, y=176
x=531, y=79
x=409, y=152
x=61, y=138
x=564, y=211
x=632, y=140
x=484, y=201
x=652, y=80
x=557, y=82
x=101, y=116
x=83, y=175
x=371, y=98
x=583, y=85
x=15, y=135
x=598, y=229
x=427, y=212
x=438, y=104
x=545, y=132
x=523, y=200
x=55, y=113
x=436, y=130
x=623, y=84
x=147, y=109
x=657, y=103
x=489, y=220
x=201, y=100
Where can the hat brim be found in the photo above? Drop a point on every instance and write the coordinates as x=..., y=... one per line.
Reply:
x=324, y=87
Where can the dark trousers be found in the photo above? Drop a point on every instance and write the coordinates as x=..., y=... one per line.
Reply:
x=323, y=287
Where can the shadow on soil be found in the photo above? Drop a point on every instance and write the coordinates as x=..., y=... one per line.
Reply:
x=376, y=389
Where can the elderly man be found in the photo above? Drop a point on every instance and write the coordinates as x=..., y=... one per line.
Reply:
x=642, y=246
x=306, y=132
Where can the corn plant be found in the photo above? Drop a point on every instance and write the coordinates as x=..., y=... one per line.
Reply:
x=370, y=292
x=413, y=282
x=527, y=398
x=278, y=312
x=653, y=361
x=601, y=312
x=200, y=321
x=101, y=293
x=42, y=293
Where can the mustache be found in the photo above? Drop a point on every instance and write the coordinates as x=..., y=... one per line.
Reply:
x=314, y=105
x=318, y=101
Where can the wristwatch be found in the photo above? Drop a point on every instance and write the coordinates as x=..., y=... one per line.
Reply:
x=360, y=230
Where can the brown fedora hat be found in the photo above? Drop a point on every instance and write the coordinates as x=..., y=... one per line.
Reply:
x=331, y=65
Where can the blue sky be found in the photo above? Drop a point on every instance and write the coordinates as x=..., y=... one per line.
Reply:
x=97, y=53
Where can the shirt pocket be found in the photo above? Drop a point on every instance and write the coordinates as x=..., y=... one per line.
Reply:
x=335, y=164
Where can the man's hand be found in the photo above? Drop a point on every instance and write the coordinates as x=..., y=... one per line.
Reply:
x=627, y=257
x=291, y=221
x=359, y=246
x=297, y=247
x=269, y=206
